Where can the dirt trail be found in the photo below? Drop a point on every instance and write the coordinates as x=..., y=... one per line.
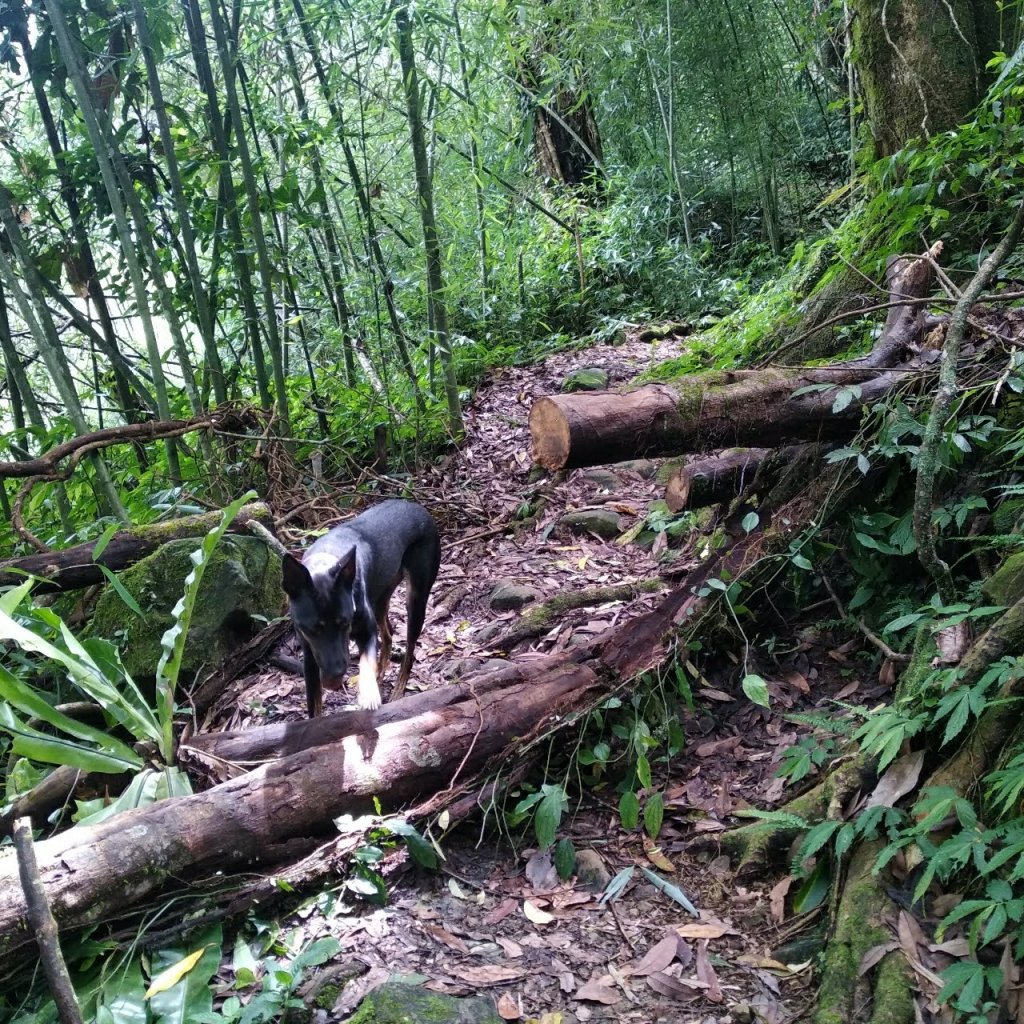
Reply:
x=466, y=929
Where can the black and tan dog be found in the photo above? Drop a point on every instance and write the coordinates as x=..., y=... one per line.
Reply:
x=342, y=588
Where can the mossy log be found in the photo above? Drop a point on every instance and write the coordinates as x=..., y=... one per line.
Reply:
x=75, y=567
x=703, y=413
x=92, y=872
x=734, y=408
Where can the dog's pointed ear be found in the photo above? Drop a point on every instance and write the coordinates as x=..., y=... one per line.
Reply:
x=294, y=575
x=346, y=570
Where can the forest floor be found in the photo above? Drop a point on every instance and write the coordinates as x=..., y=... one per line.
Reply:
x=639, y=957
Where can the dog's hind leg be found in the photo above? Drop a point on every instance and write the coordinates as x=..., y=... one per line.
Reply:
x=421, y=572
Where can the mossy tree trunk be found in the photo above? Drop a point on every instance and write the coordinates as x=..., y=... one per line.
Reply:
x=921, y=65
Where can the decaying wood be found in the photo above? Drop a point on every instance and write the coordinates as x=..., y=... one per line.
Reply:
x=56, y=791
x=93, y=871
x=729, y=408
x=74, y=567
x=713, y=480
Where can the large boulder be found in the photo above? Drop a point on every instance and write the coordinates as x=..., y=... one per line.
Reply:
x=240, y=590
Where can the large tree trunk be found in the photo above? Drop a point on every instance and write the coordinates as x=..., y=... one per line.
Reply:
x=921, y=65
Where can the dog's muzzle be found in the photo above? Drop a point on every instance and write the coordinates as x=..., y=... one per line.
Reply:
x=334, y=682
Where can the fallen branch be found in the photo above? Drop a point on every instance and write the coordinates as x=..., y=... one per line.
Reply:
x=75, y=567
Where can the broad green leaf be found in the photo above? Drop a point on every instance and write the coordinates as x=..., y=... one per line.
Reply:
x=629, y=811
x=756, y=689
x=654, y=814
x=549, y=814
x=419, y=849
x=643, y=771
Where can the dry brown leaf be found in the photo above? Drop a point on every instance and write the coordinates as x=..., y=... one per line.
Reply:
x=777, y=899
x=510, y=948
x=489, y=974
x=565, y=900
x=446, y=938
x=535, y=915
x=597, y=992
x=501, y=911
x=657, y=958
x=873, y=955
x=848, y=690
x=710, y=693
x=717, y=746
x=656, y=857
x=953, y=947
x=706, y=973
x=798, y=681
x=704, y=930
x=675, y=988
x=508, y=1008
x=900, y=778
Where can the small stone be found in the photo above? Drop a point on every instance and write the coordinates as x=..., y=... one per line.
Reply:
x=482, y=637
x=591, y=870
x=586, y=378
x=395, y=1003
x=603, y=478
x=508, y=596
x=642, y=467
x=602, y=521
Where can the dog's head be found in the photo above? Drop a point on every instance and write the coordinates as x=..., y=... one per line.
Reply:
x=321, y=605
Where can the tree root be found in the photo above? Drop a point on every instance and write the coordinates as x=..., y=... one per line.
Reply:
x=846, y=995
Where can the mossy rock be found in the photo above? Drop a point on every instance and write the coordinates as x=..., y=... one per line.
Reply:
x=1006, y=584
x=399, y=1003
x=241, y=586
x=587, y=378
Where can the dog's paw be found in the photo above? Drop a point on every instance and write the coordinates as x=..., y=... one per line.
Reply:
x=369, y=697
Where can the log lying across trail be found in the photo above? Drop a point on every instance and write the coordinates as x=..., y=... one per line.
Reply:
x=75, y=567
x=91, y=873
x=729, y=408
x=304, y=774
x=720, y=478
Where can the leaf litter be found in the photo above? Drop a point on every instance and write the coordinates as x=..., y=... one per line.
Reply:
x=492, y=921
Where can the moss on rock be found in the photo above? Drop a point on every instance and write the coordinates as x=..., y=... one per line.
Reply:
x=241, y=585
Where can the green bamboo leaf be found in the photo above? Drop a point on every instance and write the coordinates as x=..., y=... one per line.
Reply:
x=122, y=592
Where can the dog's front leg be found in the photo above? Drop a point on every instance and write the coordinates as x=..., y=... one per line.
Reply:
x=311, y=673
x=369, y=687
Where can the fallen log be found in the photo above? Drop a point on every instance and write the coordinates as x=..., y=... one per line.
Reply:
x=734, y=408
x=94, y=871
x=713, y=480
x=74, y=567
x=309, y=772
x=730, y=408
